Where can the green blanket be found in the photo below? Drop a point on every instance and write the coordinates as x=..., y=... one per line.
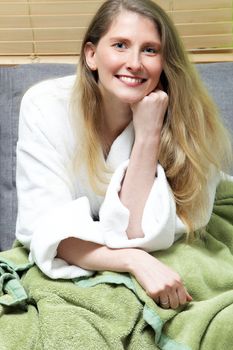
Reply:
x=112, y=311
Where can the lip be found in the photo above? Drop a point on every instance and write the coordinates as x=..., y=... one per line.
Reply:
x=130, y=80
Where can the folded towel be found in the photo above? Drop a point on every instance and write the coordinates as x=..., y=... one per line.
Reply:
x=111, y=310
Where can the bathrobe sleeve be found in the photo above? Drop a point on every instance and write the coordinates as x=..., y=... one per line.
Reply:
x=158, y=220
x=160, y=223
x=49, y=207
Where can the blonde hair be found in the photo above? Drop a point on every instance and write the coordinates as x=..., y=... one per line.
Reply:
x=193, y=141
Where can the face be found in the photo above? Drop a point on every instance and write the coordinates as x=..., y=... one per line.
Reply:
x=127, y=58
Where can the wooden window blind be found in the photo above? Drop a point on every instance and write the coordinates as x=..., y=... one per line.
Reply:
x=37, y=28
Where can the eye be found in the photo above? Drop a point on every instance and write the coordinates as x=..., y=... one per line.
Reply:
x=150, y=50
x=120, y=45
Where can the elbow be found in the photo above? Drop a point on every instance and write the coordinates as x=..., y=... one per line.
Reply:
x=67, y=250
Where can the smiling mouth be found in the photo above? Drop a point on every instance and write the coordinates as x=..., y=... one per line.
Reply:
x=130, y=80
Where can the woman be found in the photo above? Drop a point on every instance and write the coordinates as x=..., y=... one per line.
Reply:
x=148, y=149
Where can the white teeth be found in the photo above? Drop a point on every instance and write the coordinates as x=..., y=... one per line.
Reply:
x=130, y=80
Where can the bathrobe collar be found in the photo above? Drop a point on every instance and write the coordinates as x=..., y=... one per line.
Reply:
x=121, y=148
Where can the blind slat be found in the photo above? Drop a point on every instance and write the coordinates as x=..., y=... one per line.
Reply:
x=44, y=21
x=210, y=41
x=15, y=22
x=200, y=4
x=46, y=47
x=16, y=35
x=11, y=1
x=64, y=8
x=68, y=47
x=14, y=9
x=59, y=34
x=201, y=16
x=21, y=48
x=205, y=28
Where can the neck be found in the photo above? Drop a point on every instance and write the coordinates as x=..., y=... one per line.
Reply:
x=117, y=116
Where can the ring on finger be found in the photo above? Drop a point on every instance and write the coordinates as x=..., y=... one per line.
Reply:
x=165, y=303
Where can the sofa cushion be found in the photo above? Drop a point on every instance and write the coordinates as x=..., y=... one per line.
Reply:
x=218, y=78
x=14, y=81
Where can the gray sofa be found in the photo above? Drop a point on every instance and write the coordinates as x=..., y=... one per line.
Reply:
x=14, y=81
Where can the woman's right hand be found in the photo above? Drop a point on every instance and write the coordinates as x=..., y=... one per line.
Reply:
x=148, y=114
x=159, y=281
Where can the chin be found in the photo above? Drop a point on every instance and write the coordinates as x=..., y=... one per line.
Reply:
x=131, y=99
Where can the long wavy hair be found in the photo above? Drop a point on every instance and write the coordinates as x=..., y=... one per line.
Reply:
x=194, y=141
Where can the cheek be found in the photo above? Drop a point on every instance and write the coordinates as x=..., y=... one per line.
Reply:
x=155, y=73
x=157, y=68
x=113, y=63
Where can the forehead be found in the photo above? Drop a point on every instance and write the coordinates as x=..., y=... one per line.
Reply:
x=131, y=24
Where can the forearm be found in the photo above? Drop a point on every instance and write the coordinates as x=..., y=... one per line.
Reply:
x=138, y=181
x=148, y=116
x=92, y=256
x=139, y=263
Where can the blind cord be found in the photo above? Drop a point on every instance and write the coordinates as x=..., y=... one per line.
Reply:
x=33, y=55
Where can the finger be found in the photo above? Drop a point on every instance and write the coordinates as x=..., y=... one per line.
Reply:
x=164, y=301
x=174, y=299
x=189, y=298
x=182, y=296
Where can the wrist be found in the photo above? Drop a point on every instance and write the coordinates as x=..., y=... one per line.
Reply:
x=147, y=141
x=146, y=151
x=133, y=259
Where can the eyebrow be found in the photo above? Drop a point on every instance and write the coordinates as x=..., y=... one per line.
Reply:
x=146, y=43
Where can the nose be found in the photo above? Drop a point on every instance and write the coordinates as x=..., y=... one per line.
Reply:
x=134, y=63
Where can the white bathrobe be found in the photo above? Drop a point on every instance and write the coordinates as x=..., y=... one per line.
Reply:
x=54, y=204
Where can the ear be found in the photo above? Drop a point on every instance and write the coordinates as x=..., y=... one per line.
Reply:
x=89, y=51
